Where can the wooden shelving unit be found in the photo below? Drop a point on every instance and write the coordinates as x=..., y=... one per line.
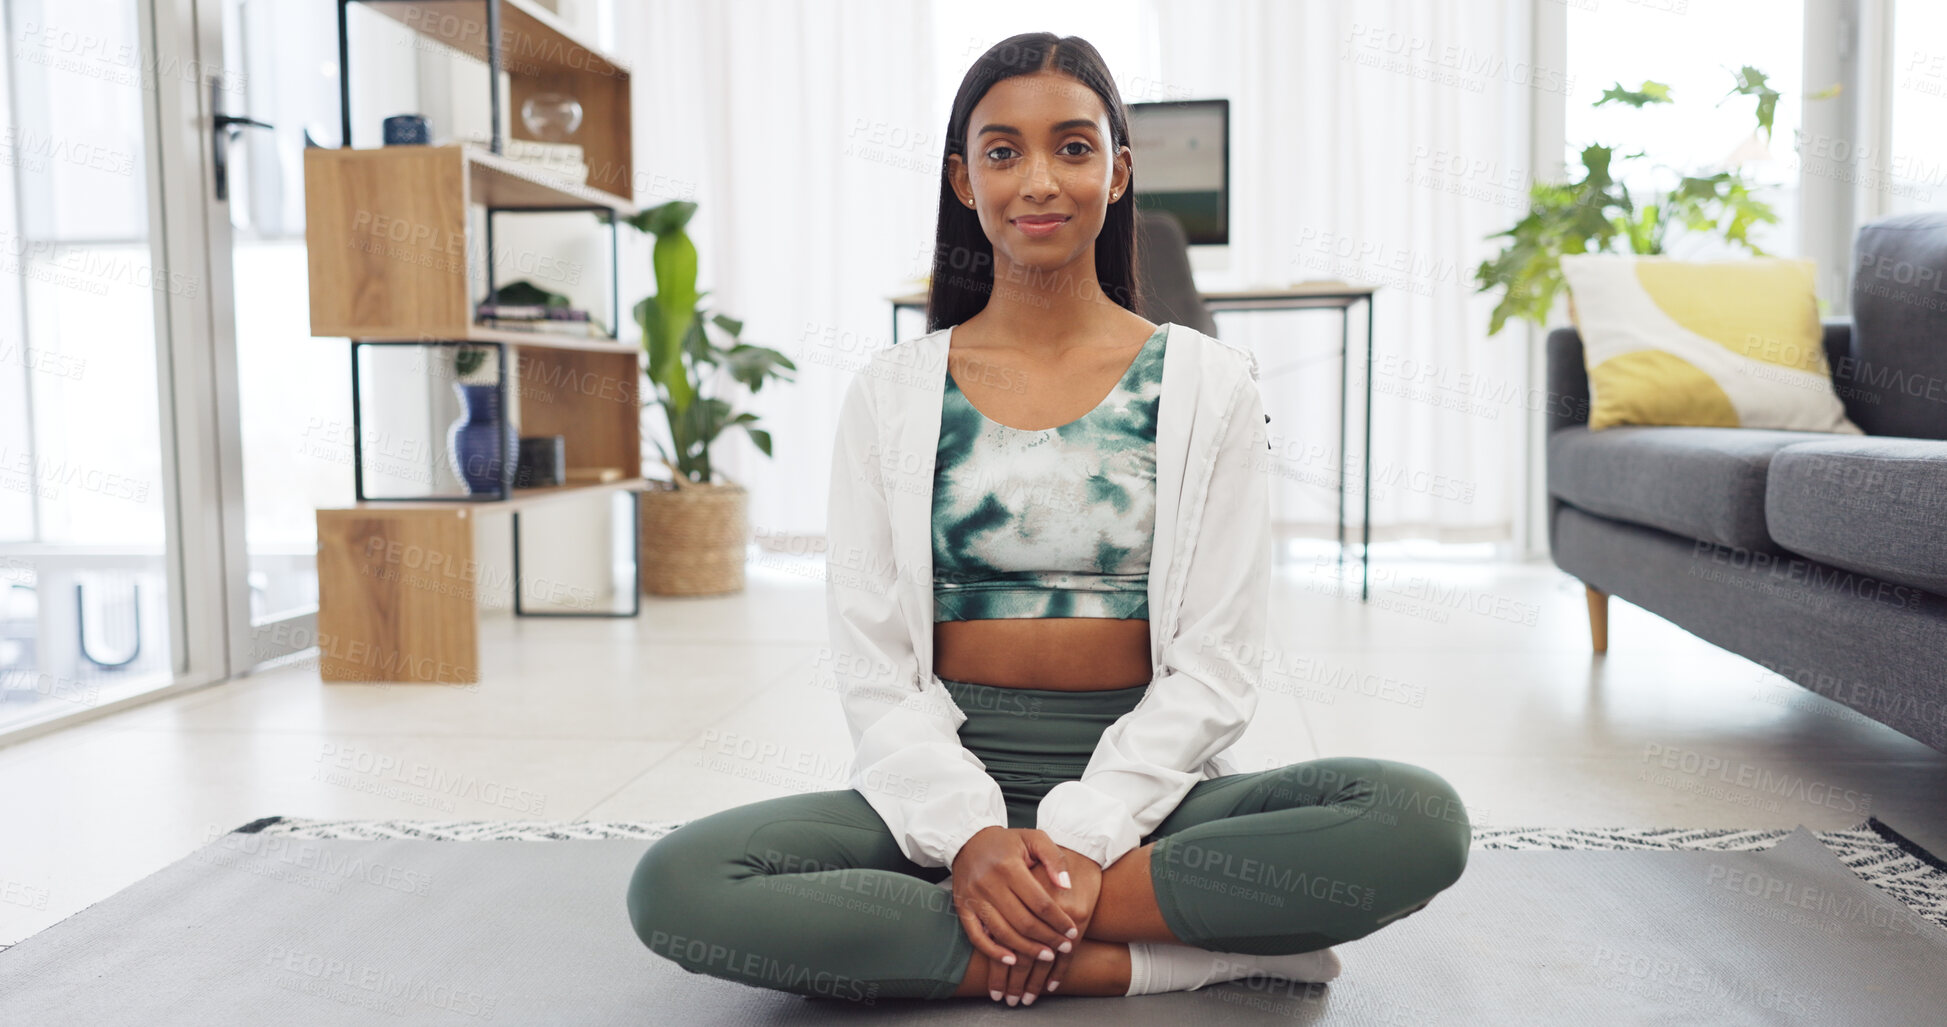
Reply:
x=392, y=253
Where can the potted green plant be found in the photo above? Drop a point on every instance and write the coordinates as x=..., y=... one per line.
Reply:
x=1596, y=212
x=695, y=528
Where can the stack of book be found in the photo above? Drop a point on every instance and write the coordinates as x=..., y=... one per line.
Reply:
x=534, y=317
x=564, y=159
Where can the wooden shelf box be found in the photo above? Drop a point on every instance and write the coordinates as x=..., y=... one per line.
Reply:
x=540, y=55
x=388, y=243
x=397, y=586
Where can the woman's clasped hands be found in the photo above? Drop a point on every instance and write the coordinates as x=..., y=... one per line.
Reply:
x=1025, y=904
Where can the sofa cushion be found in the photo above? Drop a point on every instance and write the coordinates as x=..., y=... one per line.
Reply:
x=1700, y=483
x=1873, y=505
x=1898, y=363
x=1704, y=343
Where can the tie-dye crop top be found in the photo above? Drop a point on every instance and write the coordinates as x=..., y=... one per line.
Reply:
x=1051, y=523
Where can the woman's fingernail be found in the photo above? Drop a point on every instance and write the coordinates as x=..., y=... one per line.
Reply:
x=1008, y=959
x=1065, y=882
x=1052, y=985
x=1067, y=946
x=1046, y=956
x=996, y=993
x=1011, y=1000
x=1028, y=999
x=1073, y=931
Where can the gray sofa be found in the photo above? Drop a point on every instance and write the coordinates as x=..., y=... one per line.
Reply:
x=1822, y=557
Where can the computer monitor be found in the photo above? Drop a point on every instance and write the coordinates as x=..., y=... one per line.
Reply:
x=1182, y=152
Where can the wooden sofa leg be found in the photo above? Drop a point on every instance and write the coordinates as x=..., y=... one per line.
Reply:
x=1598, y=618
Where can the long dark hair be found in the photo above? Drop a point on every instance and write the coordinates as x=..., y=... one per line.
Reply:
x=963, y=267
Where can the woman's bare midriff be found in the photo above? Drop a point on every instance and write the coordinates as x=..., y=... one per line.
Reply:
x=1070, y=654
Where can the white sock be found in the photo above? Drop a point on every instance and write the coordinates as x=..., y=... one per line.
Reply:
x=1161, y=966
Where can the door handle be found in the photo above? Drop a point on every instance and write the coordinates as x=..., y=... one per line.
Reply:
x=224, y=128
x=232, y=122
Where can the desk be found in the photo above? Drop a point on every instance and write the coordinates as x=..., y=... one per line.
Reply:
x=1339, y=296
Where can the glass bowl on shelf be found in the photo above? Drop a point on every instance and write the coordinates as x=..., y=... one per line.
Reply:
x=552, y=117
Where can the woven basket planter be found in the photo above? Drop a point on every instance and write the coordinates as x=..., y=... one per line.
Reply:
x=694, y=538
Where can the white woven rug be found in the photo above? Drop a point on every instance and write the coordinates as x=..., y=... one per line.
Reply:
x=1880, y=859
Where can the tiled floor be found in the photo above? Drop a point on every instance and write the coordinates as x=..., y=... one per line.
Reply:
x=1480, y=672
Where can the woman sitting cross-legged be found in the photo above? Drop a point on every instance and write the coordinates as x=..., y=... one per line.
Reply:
x=1047, y=577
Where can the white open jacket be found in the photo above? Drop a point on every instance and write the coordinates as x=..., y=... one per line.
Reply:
x=1209, y=584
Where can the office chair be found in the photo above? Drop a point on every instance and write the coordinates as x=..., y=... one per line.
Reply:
x=1169, y=292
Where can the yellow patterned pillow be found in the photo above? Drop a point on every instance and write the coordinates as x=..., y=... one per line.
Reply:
x=1730, y=343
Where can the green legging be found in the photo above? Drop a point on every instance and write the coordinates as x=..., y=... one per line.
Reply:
x=809, y=893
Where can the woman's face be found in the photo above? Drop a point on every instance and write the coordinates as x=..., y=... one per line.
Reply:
x=1041, y=169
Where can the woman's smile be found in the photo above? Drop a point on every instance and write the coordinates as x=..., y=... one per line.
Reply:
x=1040, y=226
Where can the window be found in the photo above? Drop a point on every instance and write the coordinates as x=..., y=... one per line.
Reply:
x=1913, y=173
x=1695, y=49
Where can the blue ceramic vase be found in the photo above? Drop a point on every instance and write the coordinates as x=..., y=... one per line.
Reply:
x=473, y=442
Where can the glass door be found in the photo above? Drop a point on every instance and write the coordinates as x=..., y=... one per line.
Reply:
x=88, y=565
x=167, y=424
x=292, y=392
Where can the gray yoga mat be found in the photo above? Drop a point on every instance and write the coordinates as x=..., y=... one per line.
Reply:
x=266, y=928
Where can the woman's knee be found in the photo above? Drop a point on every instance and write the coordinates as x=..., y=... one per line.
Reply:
x=671, y=886
x=1433, y=821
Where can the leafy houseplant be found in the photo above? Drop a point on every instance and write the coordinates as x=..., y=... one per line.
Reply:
x=694, y=531
x=681, y=351
x=467, y=362
x=1596, y=213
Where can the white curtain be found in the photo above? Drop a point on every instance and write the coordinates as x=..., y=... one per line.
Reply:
x=1378, y=142
x=804, y=132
